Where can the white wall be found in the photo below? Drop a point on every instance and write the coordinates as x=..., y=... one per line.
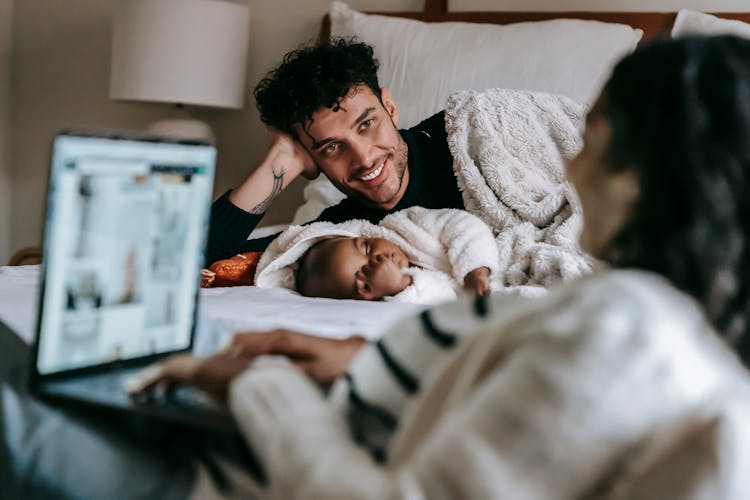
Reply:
x=61, y=74
x=6, y=51
x=62, y=54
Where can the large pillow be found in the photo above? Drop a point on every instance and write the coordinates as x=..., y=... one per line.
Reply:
x=690, y=22
x=421, y=64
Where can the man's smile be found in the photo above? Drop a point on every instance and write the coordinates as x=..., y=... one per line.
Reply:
x=373, y=173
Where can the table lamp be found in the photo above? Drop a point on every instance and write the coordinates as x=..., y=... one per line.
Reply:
x=182, y=52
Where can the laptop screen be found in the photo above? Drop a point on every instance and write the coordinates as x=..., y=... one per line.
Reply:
x=124, y=239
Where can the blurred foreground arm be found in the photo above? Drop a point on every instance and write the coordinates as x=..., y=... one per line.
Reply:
x=322, y=359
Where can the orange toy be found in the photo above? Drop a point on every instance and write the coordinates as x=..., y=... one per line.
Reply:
x=236, y=271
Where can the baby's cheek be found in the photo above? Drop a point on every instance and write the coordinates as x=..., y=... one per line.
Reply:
x=407, y=279
x=399, y=282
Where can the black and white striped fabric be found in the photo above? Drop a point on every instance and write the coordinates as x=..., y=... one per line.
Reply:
x=388, y=373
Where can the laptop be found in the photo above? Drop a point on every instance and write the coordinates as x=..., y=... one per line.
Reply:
x=125, y=232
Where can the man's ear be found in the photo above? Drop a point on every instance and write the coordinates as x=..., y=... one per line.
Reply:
x=389, y=104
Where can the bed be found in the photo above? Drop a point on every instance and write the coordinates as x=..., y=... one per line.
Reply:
x=543, y=53
x=223, y=310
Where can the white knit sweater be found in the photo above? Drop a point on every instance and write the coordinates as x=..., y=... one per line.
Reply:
x=610, y=387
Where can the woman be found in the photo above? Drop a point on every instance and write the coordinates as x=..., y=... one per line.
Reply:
x=616, y=386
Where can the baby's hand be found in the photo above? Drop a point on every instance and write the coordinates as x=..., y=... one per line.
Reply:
x=478, y=281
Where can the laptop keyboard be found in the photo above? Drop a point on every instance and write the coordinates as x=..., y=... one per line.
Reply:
x=108, y=381
x=181, y=396
x=182, y=404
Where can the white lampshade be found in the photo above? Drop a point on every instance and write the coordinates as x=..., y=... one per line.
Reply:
x=180, y=51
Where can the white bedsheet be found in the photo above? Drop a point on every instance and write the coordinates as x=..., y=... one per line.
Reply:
x=223, y=311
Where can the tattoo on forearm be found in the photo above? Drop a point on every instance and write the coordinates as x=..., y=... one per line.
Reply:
x=278, y=179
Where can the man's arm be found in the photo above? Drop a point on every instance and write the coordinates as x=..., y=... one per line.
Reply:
x=235, y=214
x=285, y=161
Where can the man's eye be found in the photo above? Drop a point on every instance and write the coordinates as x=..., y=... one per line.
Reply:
x=331, y=148
x=367, y=248
x=366, y=124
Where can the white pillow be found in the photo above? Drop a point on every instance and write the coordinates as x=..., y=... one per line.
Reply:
x=421, y=64
x=690, y=22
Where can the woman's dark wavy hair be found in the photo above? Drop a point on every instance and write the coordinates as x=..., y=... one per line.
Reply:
x=680, y=117
x=314, y=77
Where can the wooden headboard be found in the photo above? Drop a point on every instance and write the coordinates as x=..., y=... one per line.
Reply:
x=653, y=24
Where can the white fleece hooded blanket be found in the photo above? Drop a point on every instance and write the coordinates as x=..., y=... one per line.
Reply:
x=509, y=149
x=443, y=245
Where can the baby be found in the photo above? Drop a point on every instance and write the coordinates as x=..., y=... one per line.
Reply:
x=415, y=255
x=365, y=269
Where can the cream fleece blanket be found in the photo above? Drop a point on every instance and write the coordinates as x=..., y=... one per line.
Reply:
x=510, y=148
x=442, y=245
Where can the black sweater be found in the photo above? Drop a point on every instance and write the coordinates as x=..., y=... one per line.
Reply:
x=432, y=184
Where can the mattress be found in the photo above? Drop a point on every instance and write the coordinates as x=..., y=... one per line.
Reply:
x=223, y=311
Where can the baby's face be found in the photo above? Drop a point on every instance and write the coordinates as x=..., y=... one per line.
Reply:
x=365, y=268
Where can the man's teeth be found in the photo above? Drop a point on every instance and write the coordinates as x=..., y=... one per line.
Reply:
x=374, y=174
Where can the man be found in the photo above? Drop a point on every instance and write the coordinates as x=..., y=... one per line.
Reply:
x=328, y=113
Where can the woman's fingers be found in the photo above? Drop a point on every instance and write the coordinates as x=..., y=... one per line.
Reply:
x=176, y=369
x=212, y=374
x=283, y=342
x=330, y=359
x=322, y=359
x=249, y=344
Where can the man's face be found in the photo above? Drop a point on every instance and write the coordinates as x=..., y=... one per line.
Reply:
x=357, y=146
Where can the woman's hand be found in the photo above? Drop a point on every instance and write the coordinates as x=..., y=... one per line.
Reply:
x=478, y=281
x=213, y=374
x=322, y=359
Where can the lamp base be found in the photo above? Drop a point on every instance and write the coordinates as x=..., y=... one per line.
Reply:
x=184, y=128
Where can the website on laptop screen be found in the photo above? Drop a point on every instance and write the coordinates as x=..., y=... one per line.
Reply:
x=125, y=233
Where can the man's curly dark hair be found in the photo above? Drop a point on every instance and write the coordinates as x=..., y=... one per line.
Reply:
x=680, y=117
x=314, y=77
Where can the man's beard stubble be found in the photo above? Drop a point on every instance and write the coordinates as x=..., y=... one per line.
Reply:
x=401, y=162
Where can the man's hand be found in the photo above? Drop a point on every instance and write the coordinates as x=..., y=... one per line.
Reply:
x=478, y=281
x=320, y=358
x=289, y=152
x=285, y=160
